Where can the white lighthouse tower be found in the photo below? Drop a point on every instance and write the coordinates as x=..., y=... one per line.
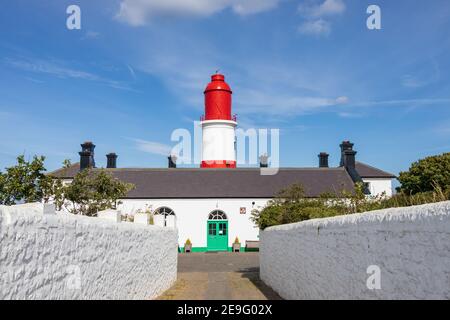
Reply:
x=218, y=126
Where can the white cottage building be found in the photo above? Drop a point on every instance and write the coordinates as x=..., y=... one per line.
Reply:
x=212, y=205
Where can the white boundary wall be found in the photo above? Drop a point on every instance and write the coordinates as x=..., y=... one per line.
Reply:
x=63, y=256
x=329, y=258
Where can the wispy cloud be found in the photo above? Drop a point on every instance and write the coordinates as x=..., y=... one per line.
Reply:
x=60, y=70
x=403, y=102
x=316, y=12
x=315, y=27
x=350, y=115
x=34, y=80
x=410, y=81
x=131, y=70
x=283, y=94
x=91, y=35
x=315, y=9
x=427, y=74
x=152, y=147
x=138, y=13
x=443, y=128
x=261, y=102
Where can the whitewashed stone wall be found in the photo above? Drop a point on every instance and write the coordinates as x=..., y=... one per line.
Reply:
x=62, y=256
x=329, y=258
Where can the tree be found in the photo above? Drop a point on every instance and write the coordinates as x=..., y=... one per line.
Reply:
x=426, y=175
x=23, y=182
x=67, y=163
x=92, y=191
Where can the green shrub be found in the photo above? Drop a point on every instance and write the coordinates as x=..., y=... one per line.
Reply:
x=290, y=205
x=426, y=175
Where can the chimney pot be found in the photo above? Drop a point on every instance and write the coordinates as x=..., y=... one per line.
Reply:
x=323, y=160
x=345, y=145
x=111, y=162
x=263, y=161
x=172, y=161
x=87, y=155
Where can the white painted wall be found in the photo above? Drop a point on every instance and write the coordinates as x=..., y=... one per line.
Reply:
x=328, y=258
x=63, y=256
x=218, y=140
x=378, y=186
x=192, y=216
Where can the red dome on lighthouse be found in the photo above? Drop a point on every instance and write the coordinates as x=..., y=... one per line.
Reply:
x=218, y=99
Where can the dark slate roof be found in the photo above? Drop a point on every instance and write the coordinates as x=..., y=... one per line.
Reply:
x=234, y=183
x=231, y=183
x=66, y=173
x=366, y=171
x=227, y=183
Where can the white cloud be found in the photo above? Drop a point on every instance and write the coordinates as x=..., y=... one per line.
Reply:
x=60, y=70
x=139, y=12
x=327, y=8
x=406, y=102
x=132, y=73
x=315, y=11
x=153, y=147
x=244, y=7
x=342, y=100
x=350, y=115
x=253, y=101
x=315, y=27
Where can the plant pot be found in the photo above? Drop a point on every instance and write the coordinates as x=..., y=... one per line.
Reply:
x=187, y=248
x=236, y=247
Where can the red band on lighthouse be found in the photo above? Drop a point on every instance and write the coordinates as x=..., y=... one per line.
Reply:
x=218, y=99
x=218, y=126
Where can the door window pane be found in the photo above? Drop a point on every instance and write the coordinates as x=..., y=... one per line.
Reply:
x=212, y=229
x=223, y=228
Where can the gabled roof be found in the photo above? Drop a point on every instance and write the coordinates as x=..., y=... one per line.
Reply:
x=367, y=171
x=227, y=183
x=231, y=183
x=66, y=173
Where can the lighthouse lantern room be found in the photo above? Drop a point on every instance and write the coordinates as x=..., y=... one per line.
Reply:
x=218, y=126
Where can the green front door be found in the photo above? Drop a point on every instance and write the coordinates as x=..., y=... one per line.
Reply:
x=217, y=231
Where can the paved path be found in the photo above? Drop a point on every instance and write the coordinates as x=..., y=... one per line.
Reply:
x=219, y=275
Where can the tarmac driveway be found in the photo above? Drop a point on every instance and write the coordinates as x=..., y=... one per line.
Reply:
x=219, y=276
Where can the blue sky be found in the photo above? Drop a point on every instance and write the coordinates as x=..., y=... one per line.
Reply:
x=137, y=69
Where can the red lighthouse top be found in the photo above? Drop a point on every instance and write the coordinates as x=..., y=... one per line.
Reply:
x=218, y=99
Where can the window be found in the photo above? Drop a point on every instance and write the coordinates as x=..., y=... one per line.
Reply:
x=212, y=229
x=217, y=215
x=367, y=186
x=165, y=211
x=223, y=229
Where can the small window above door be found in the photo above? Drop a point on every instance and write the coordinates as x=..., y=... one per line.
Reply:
x=217, y=215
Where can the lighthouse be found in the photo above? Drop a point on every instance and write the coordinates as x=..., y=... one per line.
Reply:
x=218, y=126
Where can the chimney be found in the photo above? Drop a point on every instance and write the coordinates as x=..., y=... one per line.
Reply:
x=348, y=158
x=345, y=146
x=263, y=161
x=87, y=155
x=348, y=161
x=323, y=160
x=111, y=162
x=172, y=161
